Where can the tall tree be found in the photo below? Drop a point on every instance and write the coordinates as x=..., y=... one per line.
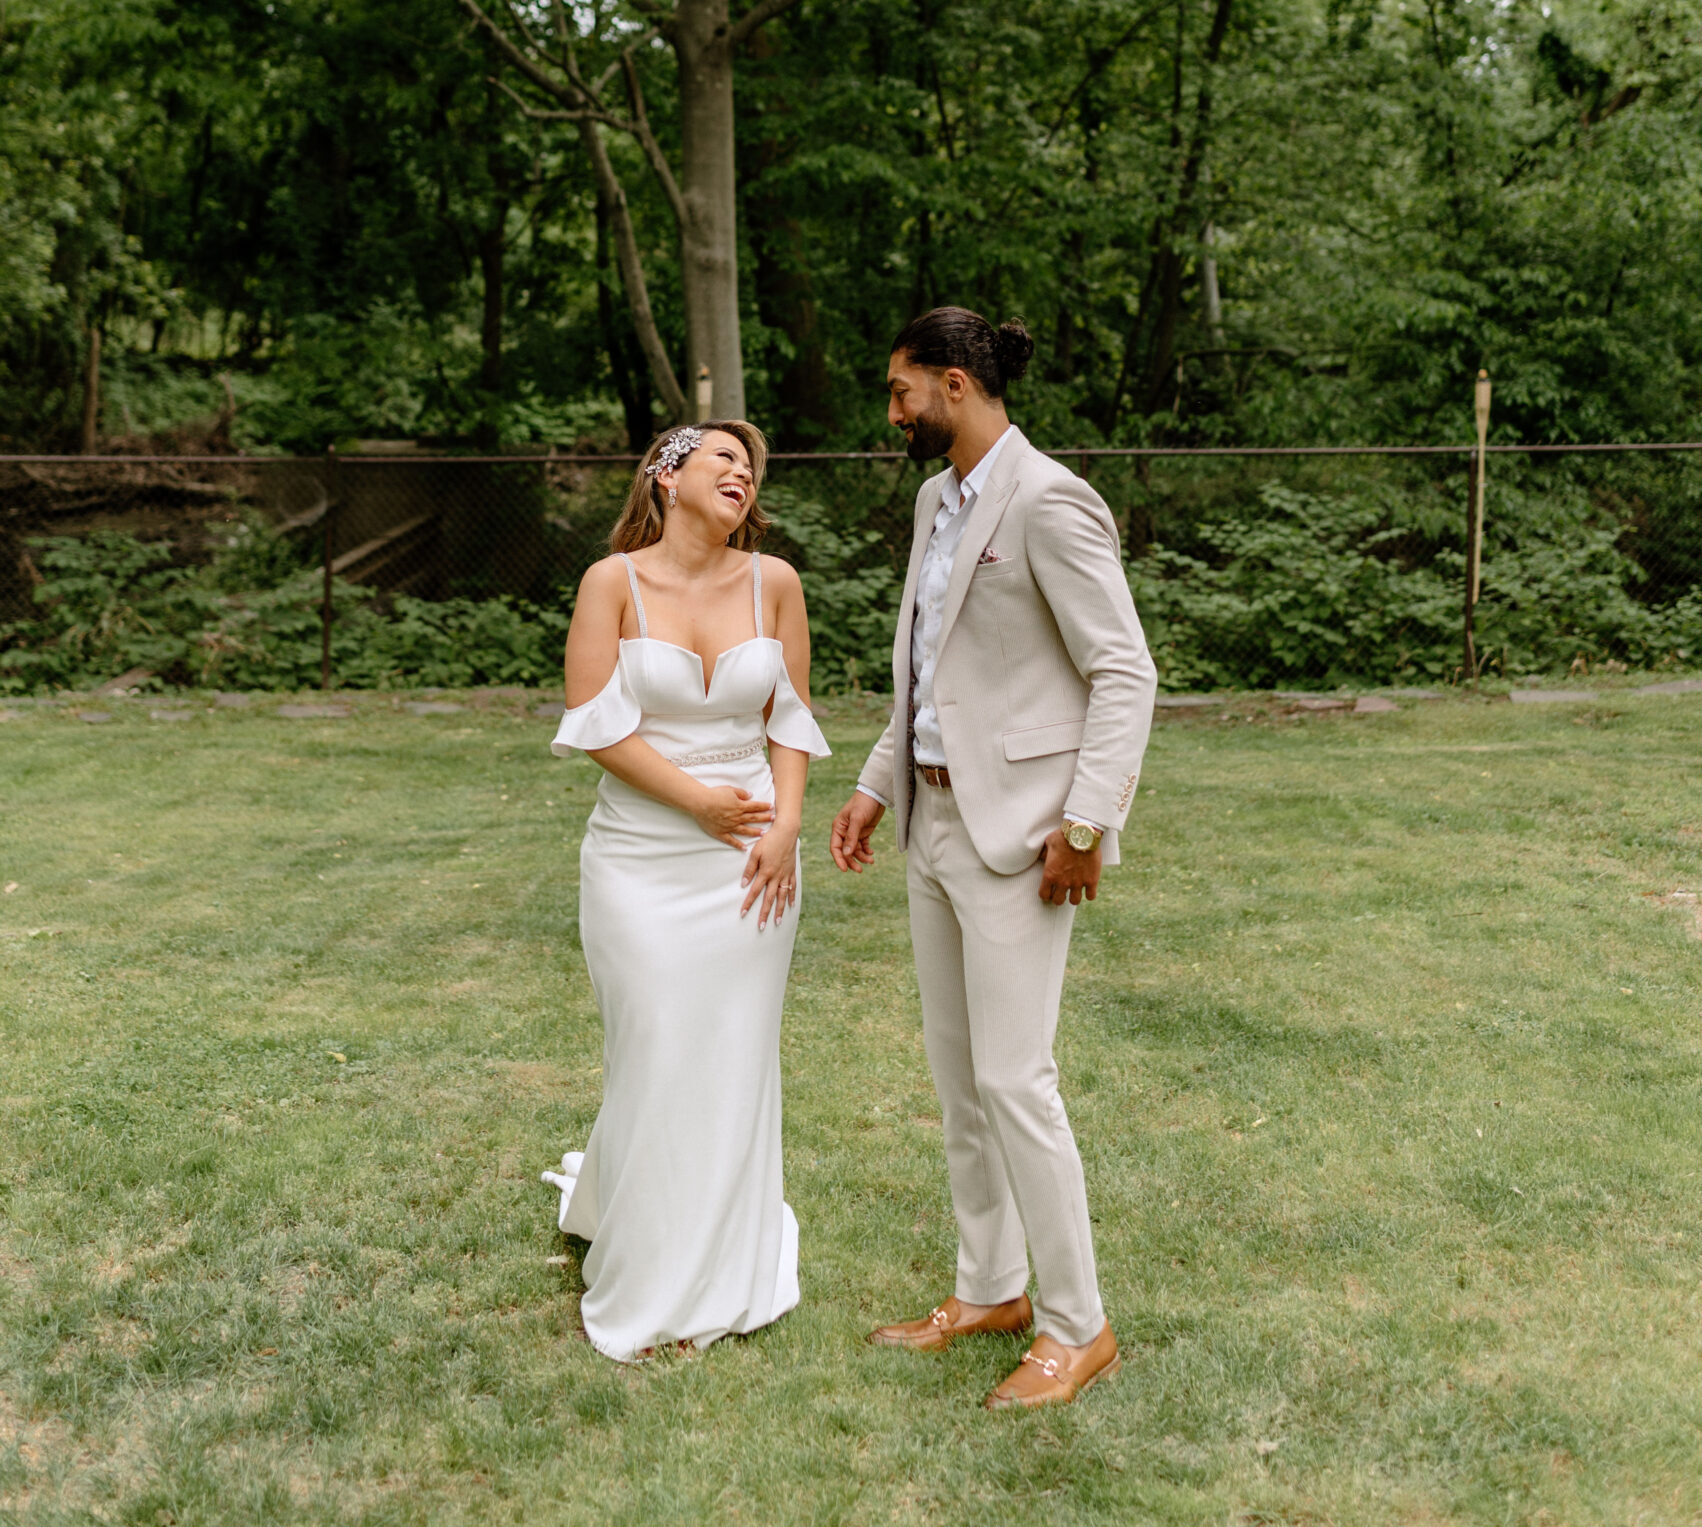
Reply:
x=702, y=194
x=335, y=205
x=1177, y=232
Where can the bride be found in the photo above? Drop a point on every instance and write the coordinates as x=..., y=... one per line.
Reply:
x=687, y=874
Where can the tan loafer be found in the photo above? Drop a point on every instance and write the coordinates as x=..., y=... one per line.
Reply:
x=941, y=1326
x=1052, y=1374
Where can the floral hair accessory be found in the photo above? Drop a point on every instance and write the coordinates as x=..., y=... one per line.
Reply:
x=675, y=449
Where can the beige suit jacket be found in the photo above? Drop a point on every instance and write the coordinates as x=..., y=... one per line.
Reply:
x=1043, y=682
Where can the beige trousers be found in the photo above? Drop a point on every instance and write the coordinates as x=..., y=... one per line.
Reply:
x=990, y=961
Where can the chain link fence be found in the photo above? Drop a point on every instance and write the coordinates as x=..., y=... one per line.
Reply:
x=1251, y=568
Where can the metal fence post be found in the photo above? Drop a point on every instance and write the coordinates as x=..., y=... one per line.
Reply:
x=1469, y=660
x=325, y=598
x=1474, y=519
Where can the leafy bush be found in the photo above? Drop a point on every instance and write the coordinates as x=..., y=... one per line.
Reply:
x=1329, y=589
x=454, y=643
x=849, y=588
x=109, y=603
x=1310, y=588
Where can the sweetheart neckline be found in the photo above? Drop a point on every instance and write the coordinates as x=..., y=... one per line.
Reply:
x=709, y=682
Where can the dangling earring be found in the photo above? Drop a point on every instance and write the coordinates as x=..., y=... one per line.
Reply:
x=673, y=497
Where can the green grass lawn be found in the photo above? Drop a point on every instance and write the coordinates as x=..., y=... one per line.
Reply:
x=1384, y=1050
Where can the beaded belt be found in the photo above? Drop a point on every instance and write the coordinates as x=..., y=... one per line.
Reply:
x=728, y=755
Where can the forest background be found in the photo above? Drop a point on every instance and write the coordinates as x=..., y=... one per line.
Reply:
x=1262, y=222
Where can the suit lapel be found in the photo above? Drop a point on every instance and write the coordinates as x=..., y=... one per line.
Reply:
x=983, y=521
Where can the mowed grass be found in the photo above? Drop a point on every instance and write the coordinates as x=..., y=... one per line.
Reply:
x=1384, y=1049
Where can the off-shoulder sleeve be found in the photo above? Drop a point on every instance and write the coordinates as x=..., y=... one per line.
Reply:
x=599, y=723
x=790, y=722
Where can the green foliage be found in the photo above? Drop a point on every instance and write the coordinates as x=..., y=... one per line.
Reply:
x=1296, y=593
x=455, y=643
x=850, y=590
x=251, y=620
x=69, y=254
x=319, y=208
x=364, y=380
x=1396, y=197
x=1320, y=588
x=1333, y=588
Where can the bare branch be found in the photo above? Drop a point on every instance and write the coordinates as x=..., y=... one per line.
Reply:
x=616, y=67
x=613, y=196
x=505, y=46
x=763, y=10
x=570, y=58
x=567, y=36
x=585, y=109
x=582, y=114
x=585, y=105
x=640, y=129
x=1626, y=97
x=521, y=27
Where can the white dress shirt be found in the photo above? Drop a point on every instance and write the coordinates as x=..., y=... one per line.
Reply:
x=957, y=498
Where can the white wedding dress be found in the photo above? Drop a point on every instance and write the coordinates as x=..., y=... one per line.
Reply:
x=679, y=1188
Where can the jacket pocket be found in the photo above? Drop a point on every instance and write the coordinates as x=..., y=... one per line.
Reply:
x=999, y=569
x=1037, y=741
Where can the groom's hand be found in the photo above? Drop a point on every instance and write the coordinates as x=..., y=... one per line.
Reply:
x=857, y=819
x=1068, y=874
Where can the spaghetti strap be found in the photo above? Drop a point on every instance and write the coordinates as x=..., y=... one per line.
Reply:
x=637, y=598
x=756, y=589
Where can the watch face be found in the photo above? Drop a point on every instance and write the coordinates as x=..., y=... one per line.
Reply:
x=1080, y=836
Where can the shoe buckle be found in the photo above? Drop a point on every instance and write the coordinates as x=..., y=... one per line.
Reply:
x=1047, y=1365
x=939, y=1317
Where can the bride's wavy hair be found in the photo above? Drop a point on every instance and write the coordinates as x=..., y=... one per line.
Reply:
x=640, y=524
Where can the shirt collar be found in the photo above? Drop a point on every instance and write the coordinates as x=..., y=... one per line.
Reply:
x=953, y=490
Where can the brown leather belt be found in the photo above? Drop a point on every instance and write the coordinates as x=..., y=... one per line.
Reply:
x=940, y=779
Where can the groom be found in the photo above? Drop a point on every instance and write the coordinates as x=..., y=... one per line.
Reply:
x=1024, y=693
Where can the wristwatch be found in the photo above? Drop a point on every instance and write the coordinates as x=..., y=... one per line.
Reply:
x=1082, y=838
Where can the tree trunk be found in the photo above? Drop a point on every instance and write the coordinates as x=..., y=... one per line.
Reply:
x=709, y=235
x=1149, y=357
x=703, y=194
x=492, y=245
x=1209, y=287
x=634, y=395
x=487, y=433
x=91, y=393
x=1211, y=296
x=631, y=266
x=786, y=301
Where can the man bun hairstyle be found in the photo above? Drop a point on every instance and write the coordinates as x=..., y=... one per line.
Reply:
x=964, y=339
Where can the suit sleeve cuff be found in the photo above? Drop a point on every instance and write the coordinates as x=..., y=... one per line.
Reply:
x=876, y=796
x=1070, y=816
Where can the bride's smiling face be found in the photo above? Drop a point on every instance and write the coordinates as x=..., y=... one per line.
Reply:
x=715, y=484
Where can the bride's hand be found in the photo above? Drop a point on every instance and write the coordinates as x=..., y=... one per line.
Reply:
x=771, y=873
x=730, y=816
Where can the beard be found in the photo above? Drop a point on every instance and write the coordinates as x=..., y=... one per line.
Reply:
x=931, y=436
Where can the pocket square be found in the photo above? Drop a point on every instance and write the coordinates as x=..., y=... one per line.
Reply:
x=989, y=555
